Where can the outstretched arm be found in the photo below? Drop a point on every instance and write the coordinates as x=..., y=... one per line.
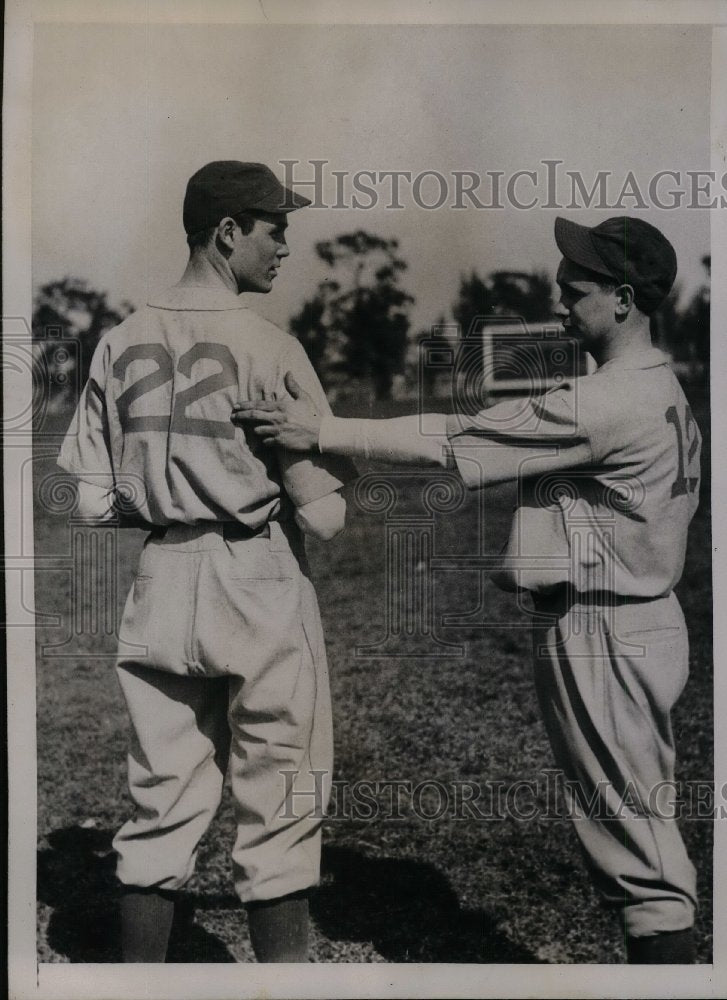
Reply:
x=295, y=423
x=512, y=439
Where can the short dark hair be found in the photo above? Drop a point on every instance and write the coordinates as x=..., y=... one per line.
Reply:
x=200, y=239
x=648, y=308
x=245, y=220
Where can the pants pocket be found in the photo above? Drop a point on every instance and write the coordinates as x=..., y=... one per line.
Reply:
x=643, y=686
x=250, y=627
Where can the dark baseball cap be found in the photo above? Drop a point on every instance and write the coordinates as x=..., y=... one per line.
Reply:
x=628, y=251
x=228, y=187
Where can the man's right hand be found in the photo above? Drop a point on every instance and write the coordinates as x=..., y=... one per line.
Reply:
x=292, y=422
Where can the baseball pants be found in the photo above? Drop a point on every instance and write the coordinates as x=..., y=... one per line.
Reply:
x=229, y=674
x=607, y=677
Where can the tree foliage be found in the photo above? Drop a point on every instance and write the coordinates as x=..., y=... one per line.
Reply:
x=684, y=333
x=70, y=312
x=503, y=293
x=696, y=318
x=358, y=320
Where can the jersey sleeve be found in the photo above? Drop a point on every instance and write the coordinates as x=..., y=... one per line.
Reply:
x=520, y=438
x=86, y=448
x=308, y=477
x=323, y=518
x=395, y=440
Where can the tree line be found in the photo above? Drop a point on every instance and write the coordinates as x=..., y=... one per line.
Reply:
x=357, y=323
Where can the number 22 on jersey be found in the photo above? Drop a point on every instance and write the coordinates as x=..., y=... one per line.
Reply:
x=178, y=421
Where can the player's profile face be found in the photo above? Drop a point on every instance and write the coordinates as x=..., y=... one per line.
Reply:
x=585, y=305
x=256, y=256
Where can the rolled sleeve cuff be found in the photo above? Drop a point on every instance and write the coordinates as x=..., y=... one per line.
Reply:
x=323, y=518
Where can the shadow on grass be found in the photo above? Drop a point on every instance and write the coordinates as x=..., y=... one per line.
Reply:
x=406, y=909
x=76, y=878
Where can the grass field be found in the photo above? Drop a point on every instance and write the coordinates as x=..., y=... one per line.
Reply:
x=402, y=889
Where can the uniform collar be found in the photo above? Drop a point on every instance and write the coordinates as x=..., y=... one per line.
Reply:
x=197, y=298
x=650, y=357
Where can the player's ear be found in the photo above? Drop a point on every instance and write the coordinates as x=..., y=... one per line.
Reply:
x=624, y=299
x=225, y=234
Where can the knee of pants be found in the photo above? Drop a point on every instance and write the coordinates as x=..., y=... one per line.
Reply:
x=158, y=845
x=282, y=860
x=178, y=793
x=152, y=863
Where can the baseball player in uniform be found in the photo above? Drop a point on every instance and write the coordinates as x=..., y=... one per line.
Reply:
x=608, y=473
x=227, y=670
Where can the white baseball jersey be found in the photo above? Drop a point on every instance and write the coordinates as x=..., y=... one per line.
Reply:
x=154, y=417
x=609, y=478
x=154, y=420
x=607, y=472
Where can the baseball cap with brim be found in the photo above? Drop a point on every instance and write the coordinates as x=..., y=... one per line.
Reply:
x=229, y=187
x=628, y=251
x=575, y=243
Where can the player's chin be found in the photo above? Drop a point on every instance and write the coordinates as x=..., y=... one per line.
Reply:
x=262, y=284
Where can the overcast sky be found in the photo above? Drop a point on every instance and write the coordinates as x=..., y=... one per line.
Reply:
x=123, y=115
